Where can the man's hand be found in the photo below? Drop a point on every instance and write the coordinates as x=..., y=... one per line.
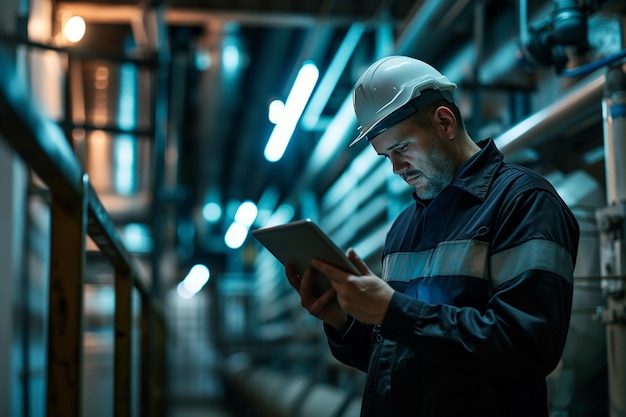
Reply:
x=324, y=307
x=365, y=297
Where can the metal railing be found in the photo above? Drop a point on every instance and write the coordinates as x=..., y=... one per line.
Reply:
x=76, y=212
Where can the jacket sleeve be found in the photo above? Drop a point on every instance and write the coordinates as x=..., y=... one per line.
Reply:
x=522, y=330
x=352, y=345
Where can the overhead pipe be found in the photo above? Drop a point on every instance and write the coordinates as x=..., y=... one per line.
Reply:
x=311, y=117
x=579, y=104
x=582, y=102
x=500, y=64
x=344, y=123
x=537, y=128
x=417, y=28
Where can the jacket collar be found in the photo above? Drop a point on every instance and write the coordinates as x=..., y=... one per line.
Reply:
x=476, y=174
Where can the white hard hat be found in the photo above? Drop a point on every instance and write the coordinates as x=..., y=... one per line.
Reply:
x=396, y=86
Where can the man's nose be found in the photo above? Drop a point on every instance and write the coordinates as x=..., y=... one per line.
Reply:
x=398, y=164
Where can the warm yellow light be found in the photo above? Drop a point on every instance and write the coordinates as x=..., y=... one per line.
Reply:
x=74, y=29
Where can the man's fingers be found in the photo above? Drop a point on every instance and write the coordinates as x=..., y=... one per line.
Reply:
x=293, y=277
x=321, y=304
x=328, y=296
x=358, y=262
x=336, y=273
x=307, y=287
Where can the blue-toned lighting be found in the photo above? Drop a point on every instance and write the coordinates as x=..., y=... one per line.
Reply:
x=125, y=145
x=203, y=59
x=267, y=204
x=211, y=212
x=230, y=55
x=125, y=159
x=182, y=292
x=294, y=106
x=276, y=111
x=238, y=231
x=283, y=214
x=246, y=213
x=127, y=112
x=136, y=237
x=235, y=235
x=329, y=143
x=197, y=277
x=332, y=76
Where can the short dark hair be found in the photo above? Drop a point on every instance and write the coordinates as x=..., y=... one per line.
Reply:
x=422, y=119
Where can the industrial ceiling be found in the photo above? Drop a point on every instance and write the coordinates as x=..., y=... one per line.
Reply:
x=209, y=69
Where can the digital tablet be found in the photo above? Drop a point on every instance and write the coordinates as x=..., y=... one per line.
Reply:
x=298, y=243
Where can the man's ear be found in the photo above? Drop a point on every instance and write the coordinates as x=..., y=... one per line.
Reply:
x=446, y=121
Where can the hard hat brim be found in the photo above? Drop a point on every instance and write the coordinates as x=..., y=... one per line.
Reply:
x=424, y=99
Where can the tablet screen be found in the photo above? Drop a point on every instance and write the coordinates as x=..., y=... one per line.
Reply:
x=299, y=242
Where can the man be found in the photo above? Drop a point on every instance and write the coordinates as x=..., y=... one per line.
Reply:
x=473, y=307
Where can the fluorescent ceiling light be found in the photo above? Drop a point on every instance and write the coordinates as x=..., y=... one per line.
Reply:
x=246, y=213
x=294, y=106
x=197, y=277
x=236, y=235
x=238, y=230
x=276, y=111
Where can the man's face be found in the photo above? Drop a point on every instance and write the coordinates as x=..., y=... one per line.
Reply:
x=422, y=157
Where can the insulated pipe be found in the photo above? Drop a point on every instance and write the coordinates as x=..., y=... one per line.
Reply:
x=578, y=104
x=522, y=10
x=420, y=27
x=614, y=250
x=614, y=122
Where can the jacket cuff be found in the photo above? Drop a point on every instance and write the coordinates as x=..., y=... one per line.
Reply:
x=402, y=314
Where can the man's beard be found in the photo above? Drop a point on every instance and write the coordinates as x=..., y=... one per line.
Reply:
x=440, y=178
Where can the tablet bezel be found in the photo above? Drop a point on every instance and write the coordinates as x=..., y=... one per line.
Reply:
x=299, y=242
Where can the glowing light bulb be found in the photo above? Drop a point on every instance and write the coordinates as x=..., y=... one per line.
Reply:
x=74, y=29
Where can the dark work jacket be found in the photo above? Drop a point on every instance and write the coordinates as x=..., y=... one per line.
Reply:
x=483, y=279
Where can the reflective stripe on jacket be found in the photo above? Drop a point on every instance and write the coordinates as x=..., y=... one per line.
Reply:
x=483, y=280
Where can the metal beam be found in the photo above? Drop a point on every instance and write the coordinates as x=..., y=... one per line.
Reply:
x=200, y=16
